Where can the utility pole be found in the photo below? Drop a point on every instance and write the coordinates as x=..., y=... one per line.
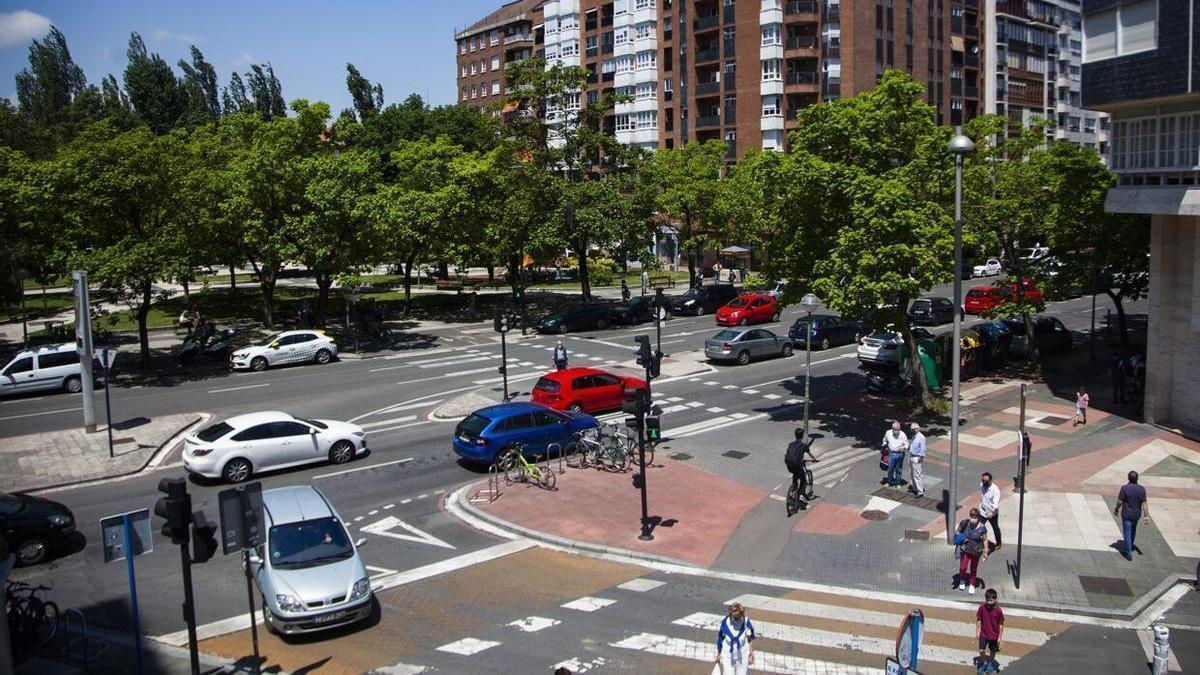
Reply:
x=1021, y=474
x=83, y=345
x=960, y=145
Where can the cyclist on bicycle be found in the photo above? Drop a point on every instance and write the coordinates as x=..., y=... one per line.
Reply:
x=794, y=458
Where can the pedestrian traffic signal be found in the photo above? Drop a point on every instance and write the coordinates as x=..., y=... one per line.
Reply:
x=653, y=428
x=496, y=323
x=643, y=351
x=175, y=508
x=656, y=363
x=204, y=538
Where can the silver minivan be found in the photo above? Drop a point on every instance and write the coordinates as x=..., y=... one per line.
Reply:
x=308, y=570
x=42, y=369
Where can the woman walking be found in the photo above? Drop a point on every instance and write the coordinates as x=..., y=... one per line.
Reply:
x=1081, y=406
x=735, y=642
x=972, y=540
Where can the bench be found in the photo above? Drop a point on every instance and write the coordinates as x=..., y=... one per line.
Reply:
x=662, y=281
x=449, y=285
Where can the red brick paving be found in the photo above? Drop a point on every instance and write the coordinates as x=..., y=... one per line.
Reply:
x=826, y=518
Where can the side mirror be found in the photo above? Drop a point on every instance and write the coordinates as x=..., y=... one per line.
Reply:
x=360, y=542
x=274, y=345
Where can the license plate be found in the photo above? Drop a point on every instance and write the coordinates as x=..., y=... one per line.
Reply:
x=327, y=618
x=464, y=439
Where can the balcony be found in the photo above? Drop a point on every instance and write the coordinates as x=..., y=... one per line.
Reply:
x=801, y=42
x=972, y=30
x=972, y=92
x=708, y=88
x=703, y=23
x=703, y=56
x=708, y=121
x=800, y=7
x=591, y=51
x=730, y=149
x=519, y=37
x=802, y=77
x=972, y=60
x=730, y=115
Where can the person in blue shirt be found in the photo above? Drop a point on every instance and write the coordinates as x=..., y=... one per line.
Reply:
x=916, y=460
x=735, y=642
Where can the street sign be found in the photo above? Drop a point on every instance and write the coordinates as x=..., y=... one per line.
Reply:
x=908, y=640
x=241, y=517
x=106, y=357
x=112, y=535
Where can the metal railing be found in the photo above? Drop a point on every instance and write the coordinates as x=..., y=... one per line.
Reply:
x=801, y=7
x=711, y=87
x=806, y=42
x=706, y=22
x=708, y=121
x=707, y=55
x=802, y=77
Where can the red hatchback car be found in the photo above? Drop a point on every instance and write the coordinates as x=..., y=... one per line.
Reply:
x=981, y=299
x=748, y=308
x=583, y=389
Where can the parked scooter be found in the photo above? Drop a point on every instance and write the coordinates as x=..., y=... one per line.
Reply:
x=889, y=381
x=208, y=344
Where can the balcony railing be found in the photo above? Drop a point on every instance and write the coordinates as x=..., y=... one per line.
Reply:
x=708, y=55
x=956, y=24
x=711, y=87
x=591, y=51
x=730, y=47
x=801, y=77
x=833, y=14
x=800, y=7
x=972, y=60
x=730, y=115
x=803, y=42
x=972, y=30
x=708, y=121
x=706, y=22
x=972, y=92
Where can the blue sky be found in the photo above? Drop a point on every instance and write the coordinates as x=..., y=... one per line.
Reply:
x=407, y=45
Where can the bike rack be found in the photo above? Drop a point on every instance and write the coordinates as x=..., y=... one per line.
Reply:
x=70, y=642
x=494, y=489
x=549, y=449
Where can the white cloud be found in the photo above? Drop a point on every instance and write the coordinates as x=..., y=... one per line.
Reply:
x=164, y=35
x=19, y=27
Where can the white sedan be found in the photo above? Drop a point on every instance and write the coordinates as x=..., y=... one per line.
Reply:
x=293, y=346
x=989, y=269
x=246, y=444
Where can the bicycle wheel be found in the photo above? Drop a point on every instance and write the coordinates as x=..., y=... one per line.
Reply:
x=546, y=477
x=793, y=500
x=510, y=466
x=619, y=458
x=47, y=625
x=808, y=484
x=636, y=456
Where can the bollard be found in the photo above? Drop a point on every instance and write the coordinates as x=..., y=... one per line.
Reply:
x=1162, y=649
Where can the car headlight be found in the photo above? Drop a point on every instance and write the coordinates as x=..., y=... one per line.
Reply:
x=60, y=520
x=289, y=603
x=361, y=588
x=688, y=302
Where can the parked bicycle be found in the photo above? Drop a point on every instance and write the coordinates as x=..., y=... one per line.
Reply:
x=517, y=469
x=32, y=622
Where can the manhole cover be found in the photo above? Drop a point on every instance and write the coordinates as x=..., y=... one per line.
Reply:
x=681, y=456
x=735, y=454
x=1106, y=586
x=873, y=514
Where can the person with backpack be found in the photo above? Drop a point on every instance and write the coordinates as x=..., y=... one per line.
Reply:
x=560, y=356
x=972, y=541
x=735, y=642
x=793, y=458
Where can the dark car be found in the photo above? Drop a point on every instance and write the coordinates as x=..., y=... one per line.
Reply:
x=579, y=317
x=637, y=310
x=480, y=436
x=1049, y=334
x=931, y=310
x=703, y=300
x=827, y=331
x=34, y=527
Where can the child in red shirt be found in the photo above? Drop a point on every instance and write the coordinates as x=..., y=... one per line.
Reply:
x=989, y=624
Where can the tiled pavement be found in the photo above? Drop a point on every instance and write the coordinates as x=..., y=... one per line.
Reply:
x=73, y=456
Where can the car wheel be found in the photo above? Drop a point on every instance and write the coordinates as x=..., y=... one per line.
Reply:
x=73, y=385
x=266, y=612
x=575, y=408
x=824, y=343
x=601, y=324
x=341, y=452
x=324, y=356
x=787, y=350
x=32, y=551
x=237, y=470
x=743, y=357
x=258, y=364
x=775, y=316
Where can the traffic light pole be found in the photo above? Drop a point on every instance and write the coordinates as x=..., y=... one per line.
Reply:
x=642, y=408
x=189, y=605
x=250, y=598
x=502, y=329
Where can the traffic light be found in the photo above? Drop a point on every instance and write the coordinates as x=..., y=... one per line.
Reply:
x=634, y=402
x=644, y=357
x=496, y=323
x=653, y=428
x=509, y=321
x=204, y=538
x=175, y=508
x=656, y=363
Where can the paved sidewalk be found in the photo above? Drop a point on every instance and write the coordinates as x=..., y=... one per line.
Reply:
x=60, y=458
x=711, y=511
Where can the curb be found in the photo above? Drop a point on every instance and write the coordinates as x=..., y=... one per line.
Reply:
x=150, y=464
x=1133, y=616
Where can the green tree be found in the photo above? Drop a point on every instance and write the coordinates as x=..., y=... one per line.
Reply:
x=234, y=99
x=688, y=181
x=200, y=89
x=368, y=98
x=46, y=93
x=266, y=92
x=153, y=90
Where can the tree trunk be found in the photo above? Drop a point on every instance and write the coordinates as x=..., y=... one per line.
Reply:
x=143, y=315
x=585, y=284
x=916, y=371
x=266, y=282
x=1118, y=302
x=443, y=270
x=514, y=273
x=491, y=269
x=407, y=266
x=232, y=279
x=324, y=283
x=187, y=296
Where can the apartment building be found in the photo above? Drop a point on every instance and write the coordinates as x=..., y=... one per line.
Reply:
x=1035, y=60
x=1140, y=61
x=734, y=70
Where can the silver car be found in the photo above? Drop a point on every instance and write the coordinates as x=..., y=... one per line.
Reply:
x=882, y=347
x=743, y=343
x=308, y=570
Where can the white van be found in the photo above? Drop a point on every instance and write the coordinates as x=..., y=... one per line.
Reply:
x=41, y=369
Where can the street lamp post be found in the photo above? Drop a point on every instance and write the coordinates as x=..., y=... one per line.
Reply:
x=809, y=302
x=960, y=145
x=352, y=297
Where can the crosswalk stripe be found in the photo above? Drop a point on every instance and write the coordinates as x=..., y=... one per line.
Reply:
x=641, y=585
x=694, y=404
x=768, y=662
x=467, y=646
x=587, y=604
x=442, y=363
x=841, y=462
x=675, y=408
x=532, y=624
x=394, y=420
x=700, y=426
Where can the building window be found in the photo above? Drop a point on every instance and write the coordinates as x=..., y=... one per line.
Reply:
x=472, y=43
x=771, y=70
x=1125, y=29
x=624, y=123
x=667, y=86
x=474, y=91
x=621, y=36
x=473, y=66
x=647, y=119
x=608, y=66
x=464, y=93
x=645, y=30
x=494, y=37
x=464, y=70
x=495, y=87
x=771, y=106
x=643, y=4
x=730, y=68
x=647, y=59
x=495, y=63
x=570, y=49
x=770, y=34
x=462, y=46
x=647, y=90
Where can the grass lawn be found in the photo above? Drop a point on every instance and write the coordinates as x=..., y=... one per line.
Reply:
x=34, y=309
x=54, y=281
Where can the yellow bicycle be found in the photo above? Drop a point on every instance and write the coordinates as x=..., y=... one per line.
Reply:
x=517, y=469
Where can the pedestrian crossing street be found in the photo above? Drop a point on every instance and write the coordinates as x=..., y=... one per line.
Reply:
x=797, y=632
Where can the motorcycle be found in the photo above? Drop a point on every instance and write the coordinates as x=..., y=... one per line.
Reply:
x=218, y=347
x=888, y=381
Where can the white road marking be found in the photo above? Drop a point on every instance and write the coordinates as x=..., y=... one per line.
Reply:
x=383, y=423
x=749, y=391
x=698, y=426
x=575, y=665
x=388, y=506
x=37, y=414
x=730, y=387
x=400, y=669
x=694, y=404
x=22, y=400
x=772, y=396
x=362, y=468
x=706, y=652
x=711, y=383
x=467, y=646
x=588, y=604
x=371, y=513
x=441, y=363
x=377, y=432
x=674, y=399
x=406, y=501
x=423, y=352
x=715, y=409
x=673, y=409
x=423, y=496
x=385, y=526
x=641, y=585
x=738, y=415
x=532, y=624
x=628, y=347
x=726, y=422
x=776, y=497
x=358, y=518
x=247, y=386
x=815, y=363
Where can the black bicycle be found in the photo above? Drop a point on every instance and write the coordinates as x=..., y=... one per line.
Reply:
x=32, y=622
x=794, y=497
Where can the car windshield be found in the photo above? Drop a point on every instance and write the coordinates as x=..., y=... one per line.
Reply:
x=473, y=425
x=214, y=432
x=884, y=335
x=737, y=302
x=978, y=293
x=547, y=385
x=318, y=424
x=689, y=295
x=309, y=543
x=727, y=335
x=920, y=304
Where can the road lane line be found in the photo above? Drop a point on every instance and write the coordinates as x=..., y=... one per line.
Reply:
x=628, y=347
x=815, y=363
x=377, y=432
x=246, y=386
x=44, y=412
x=21, y=400
x=362, y=468
x=394, y=420
x=442, y=363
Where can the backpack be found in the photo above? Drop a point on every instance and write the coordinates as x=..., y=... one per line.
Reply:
x=794, y=457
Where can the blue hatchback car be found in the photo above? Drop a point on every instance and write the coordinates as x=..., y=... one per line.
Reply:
x=485, y=432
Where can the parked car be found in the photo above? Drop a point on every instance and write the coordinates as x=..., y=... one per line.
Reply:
x=583, y=390
x=247, y=444
x=881, y=348
x=931, y=310
x=748, y=308
x=827, y=331
x=637, y=310
x=293, y=346
x=742, y=344
x=591, y=316
x=990, y=268
x=43, y=369
x=1034, y=253
x=1049, y=334
x=33, y=527
x=308, y=569
x=778, y=290
x=480, y=436
x=982, y=299
x=702, y=300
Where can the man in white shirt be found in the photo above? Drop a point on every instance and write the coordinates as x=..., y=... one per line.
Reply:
x=897, y=443
x=916, y=460
x=989, y=504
